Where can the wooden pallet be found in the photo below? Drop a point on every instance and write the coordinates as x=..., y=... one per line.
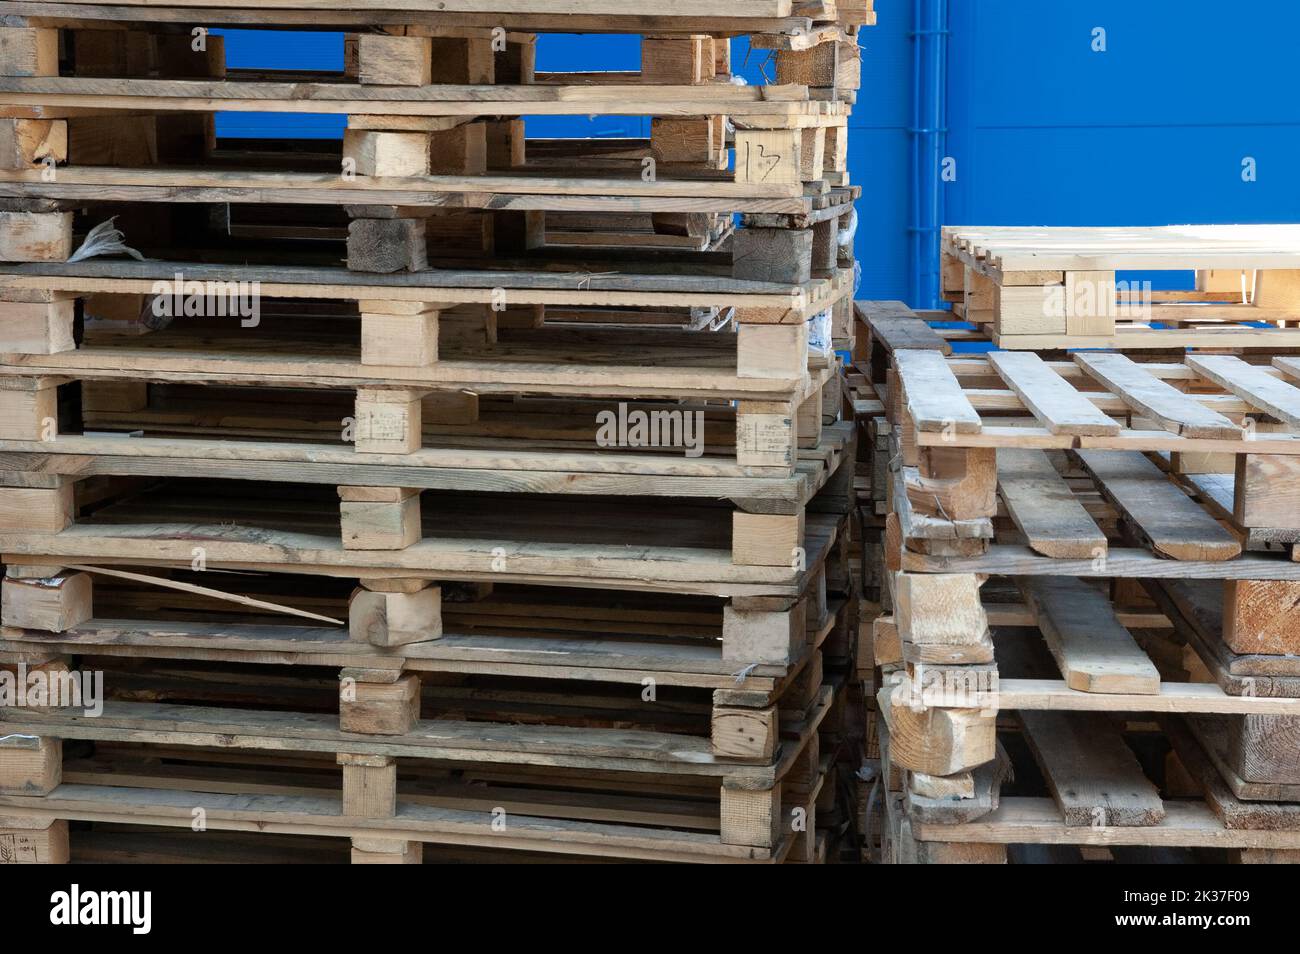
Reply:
x=431, y=135
x=337, y=351
x=669, y=796
x=385, y=531
x=478, y=630
x=1050, y=288
x=791, y=24
x=1101, y=803
x=1073, y=739
x=480, y=611
x=1172, y=448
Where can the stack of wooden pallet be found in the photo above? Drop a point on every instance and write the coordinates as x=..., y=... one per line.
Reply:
x=1089, y=585
x=447, y=489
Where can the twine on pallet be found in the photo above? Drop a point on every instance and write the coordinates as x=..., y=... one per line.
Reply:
x=743, y=674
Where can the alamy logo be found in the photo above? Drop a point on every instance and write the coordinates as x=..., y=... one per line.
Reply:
x=193, y=299
x=75, y=907
x=637, y=428
x=54, y=689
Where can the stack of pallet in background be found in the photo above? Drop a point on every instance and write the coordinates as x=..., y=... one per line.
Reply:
x=385, y=556
x=1125, y=522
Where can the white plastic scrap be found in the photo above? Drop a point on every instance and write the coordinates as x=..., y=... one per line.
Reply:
x=104, y=239
x=845, y=235
x=710, y=319
x=819, y=333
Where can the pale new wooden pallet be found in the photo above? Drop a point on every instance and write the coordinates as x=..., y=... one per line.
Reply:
x=752, y=825
x=1051, y=288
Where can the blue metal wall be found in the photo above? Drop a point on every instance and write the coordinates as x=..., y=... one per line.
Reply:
x=1044, y=130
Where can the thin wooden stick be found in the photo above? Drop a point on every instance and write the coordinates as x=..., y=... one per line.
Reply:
x=205, y=591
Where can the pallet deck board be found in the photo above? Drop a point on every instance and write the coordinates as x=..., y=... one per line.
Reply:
x=1094, y=651
x=1173, y=524
x=1260, y=389
x=1061, y=408
x=934, y=397
x=1044, y=508
x=592, y=474
x=1203, y=247
x=46, y=96
x=493, y=192
x=1024, y=820
x=1093, y=775
x=771, y=302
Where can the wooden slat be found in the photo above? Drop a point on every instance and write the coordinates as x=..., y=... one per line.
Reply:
x=1178, y=697
x=1044, y=509
x=1094, y=651
x=1155, y=399
x=1051, y=399
x=934, y=396
x=1093, y=775
x=1037, y=821
x=1289, y=366
x=1172, y=523
x=323, y=816
x=899, y=328
x=1250, y=383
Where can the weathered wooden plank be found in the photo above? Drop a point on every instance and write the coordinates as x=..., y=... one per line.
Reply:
x=897, y=328
x=1093, y=775
x=1250, y=383
x=1044, y=509
x=1153, y=398
x=1172, y=523
x=1050, y=398
x=1092, y=648
x=934, y=396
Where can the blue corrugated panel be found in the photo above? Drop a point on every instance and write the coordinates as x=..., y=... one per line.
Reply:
x=1152, y=131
